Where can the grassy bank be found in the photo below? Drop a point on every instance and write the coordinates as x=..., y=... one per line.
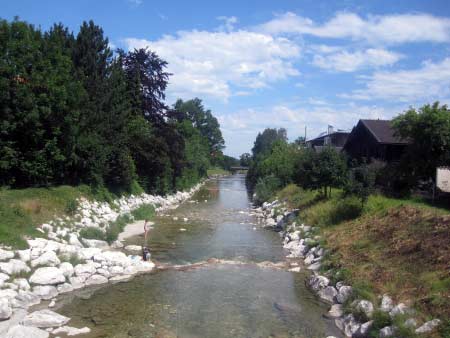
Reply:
x=395, y=246
x=22, y=210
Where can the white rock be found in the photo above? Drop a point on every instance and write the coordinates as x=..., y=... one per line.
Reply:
x=117, y=245
x=71, y=331
x=351, y=326
x=428, y=326
x=410, y=322
x=115, y=270
x=66, y=268
x=315, y=266
x=345, y=292
x=365, y=306
x=64, y=288
x=22, y=284
x=318, y=282
x=73, y=240
x=85, y=269
x=387, y=304
x=14, y=266
x=399, y=309
x=112, y=258
x=20, y=331
x=8, y=294
x=77, y=282
x=25, y=299
x=52, y=303
x=45, y=318
x=134, y=248
x=329, y=293
x=364, y=329
x=5, y=309
x=47, y=276
x=5, y=255
x=96, y=279
x=296, y=269
x=45, y=291
x=49, y=258
x=95, y=243
x=121, y=278
x=387, y=331
x=88, y=253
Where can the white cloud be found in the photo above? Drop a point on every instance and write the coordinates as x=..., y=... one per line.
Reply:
x=388, y=29
x=136, y=2
x=345, y=61
x=228, y=23
x=213, y=63
x=428, y=83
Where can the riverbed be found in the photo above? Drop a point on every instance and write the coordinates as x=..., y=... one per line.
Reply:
x=240, y=296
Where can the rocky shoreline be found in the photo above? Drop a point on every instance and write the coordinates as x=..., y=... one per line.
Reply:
x=63, y=261
x=301, y=242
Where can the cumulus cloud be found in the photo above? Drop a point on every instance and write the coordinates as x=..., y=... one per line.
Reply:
x=388, y=29
x=212, y=63
x=346, y=61
x=430, y=82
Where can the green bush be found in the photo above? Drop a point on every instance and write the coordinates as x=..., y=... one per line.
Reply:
x=380, y=319
x=71, y=206
x=92, y=233
x=266, y=188
x=115, y=228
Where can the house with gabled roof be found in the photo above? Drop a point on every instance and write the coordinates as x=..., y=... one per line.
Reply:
x=374, y=139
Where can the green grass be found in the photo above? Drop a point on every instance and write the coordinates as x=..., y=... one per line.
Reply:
x=216, y=171
x=21, y=210
x=92, y=233
x=117, y=227
x=144, y=212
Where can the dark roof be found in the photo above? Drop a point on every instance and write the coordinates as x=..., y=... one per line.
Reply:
x=382, y=131
x=325, y=135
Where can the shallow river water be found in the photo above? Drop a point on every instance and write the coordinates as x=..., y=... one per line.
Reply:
x=229, y=299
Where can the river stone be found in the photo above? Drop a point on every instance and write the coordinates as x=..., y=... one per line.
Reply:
x=399, y=309
x=411, y=323
x=315, y=266
x=296, y=269
x=47, y=276
x=77, y=282
x=135, y=248
x=351, y=326
x=8, y=294
x=363, y=330
x=344, y=293
x=428, y=326
x=318, y=282
x=14, y=266
x=20, y=331
x=5, y=309
x=85, y=269
x=329, y=294
x=387, y=304
x=48, y=258
x=115, y=270
x=96, y=279
x=22, y=284
x=5, y=255
x=387, y=331
x=88, y=253
x=66, y=269
x=45, y=318
x=73, y=240
x=336, y=311
x=365, y=306
x=24, y=255
x=71, y=331
x=111, y=258
x=64, y=288
x=25, y=299
x=95, y=243
x=45, y=291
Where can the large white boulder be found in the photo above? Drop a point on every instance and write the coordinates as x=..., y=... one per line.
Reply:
x=112, y=258
x=77, y=282
x=96, y=279
x=86, y=269
x=45, y=318
x=14, y=266
x=428, y=326
x=344, y=293
x=24, y=255
x=25, y=299
x=365, y=306
x=64, y=288
x=45, y=291
x=329, y=294
x=95, y=243
x=47, y=276
x=22, y=283
x=20, y=331
x=67, y=269
x=5, y=255
x=5, y=309
x=73, y=240
x=48, y=258
x=88, y=253
x=71, y=331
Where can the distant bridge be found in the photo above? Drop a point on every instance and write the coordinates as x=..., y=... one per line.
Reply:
x=234, y=169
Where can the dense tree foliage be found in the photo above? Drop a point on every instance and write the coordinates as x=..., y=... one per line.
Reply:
x=428, y=129
x=72, y=112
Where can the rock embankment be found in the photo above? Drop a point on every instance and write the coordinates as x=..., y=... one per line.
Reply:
x=353, y=316
x=63, y=261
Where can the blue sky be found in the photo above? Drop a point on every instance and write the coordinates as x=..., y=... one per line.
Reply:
x=283, y=63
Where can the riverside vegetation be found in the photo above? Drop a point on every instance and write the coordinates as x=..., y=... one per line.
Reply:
x=377, y=236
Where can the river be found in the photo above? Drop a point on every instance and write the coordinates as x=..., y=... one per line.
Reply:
x=236, y=298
